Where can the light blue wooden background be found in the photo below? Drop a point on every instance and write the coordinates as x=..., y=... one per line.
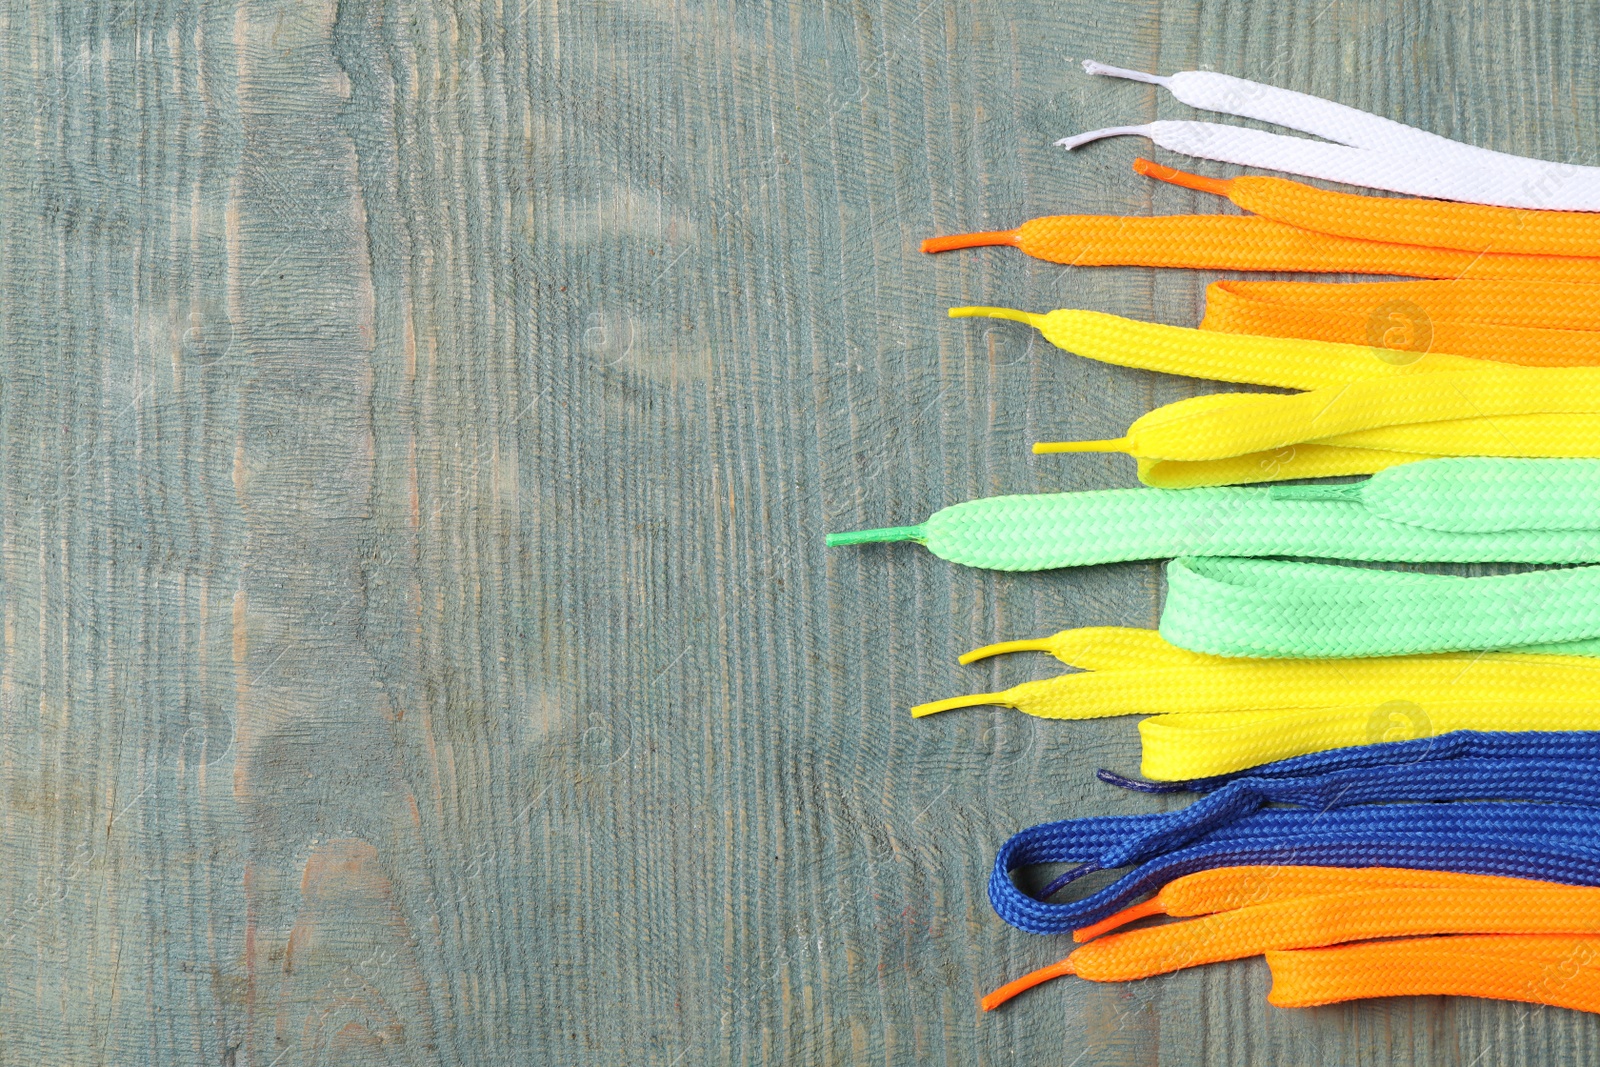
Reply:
x=420, y=420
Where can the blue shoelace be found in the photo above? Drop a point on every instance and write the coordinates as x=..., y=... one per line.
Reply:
x=1555, y=838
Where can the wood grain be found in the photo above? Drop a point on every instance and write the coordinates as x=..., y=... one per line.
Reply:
x=419, y=422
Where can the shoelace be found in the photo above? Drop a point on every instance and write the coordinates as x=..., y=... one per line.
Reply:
x=1421, y=411
x=1224, y=889
x=1363, y=427
x=1183, y=746
x=1285, y=363
x=1471, y=509
x=1368, y=150
x=1359, y=413
x=1273, y=608
x=1561, y=971
x=1537, y=324
x=1297, y=227
x=1214, y=716
x=1563, y=306
x=1246, y=911
x=1250, y=242
x=1544, y=841
x=1425, y=223
x=1566, y=745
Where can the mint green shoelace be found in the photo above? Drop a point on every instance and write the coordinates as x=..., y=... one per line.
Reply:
x=1275, y=608
x=1442, y=510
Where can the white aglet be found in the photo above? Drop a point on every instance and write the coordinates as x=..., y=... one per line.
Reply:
x=1069, y=143
x=1105, y=70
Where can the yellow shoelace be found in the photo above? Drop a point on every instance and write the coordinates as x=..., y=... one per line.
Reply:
x=1361, y=412
x=1213, y=715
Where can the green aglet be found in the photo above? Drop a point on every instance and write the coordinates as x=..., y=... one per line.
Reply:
x=870, y=537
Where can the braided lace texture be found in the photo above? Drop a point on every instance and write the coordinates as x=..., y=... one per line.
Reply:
x=1300, y=228
x=1537, y=969
x=1272, y=608
x=1360, y=413
x=1213, y=716
x=1284, y=363
x=1236, y=242
x=1540, y=324
x=1550, y=839
x=1551, y=770
x=1368, y=150
x=1396, y=733
x=1560, y=745
x=1460, y=510
x=1424, y=223
x=1250, y=910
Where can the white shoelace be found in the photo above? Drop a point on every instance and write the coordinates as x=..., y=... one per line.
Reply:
x=1367, y=149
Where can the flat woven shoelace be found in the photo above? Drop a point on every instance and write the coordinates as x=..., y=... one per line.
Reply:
x=1212, y=715
x=1368, y=150
x=1250, y=242
x=1426, y=223
x=1285, y=363
x=1537, y=324
x=1431, y=414
x=1542, y=841
x=1561, y=306
x=1273, y=608
x=1183, y=746
x=1562, y=971
x=1308, y=907
x=1297, y=227
x=1561, y=746
x=1359, y=414
x=1224, y=889
x=1554, y=770
x=1460, y=510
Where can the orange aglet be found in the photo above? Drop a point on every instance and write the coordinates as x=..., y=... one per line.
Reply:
x=970, y=240
x=1143, y=910
x=1173, y=176
x=1025, y=983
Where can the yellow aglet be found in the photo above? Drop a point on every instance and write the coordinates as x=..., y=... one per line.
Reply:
x=1115, y=444
x=1031, y=318
x=973, y=701
x=1036, y=644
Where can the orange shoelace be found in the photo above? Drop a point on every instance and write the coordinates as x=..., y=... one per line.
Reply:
x=1248, y=911
x=1235, y=242
x=1561, y=971
x=1537, y=324
x=1395, y=220
x=1300, y=228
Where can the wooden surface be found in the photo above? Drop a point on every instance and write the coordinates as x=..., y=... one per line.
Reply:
x=420, y=421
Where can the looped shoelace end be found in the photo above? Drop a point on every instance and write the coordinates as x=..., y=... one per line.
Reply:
x=974, y=700
x=1000, y=648
x=1025, y=983
x=1106, y=70
x=887, y=535
x=970, y=240
x=1143, y=910
x=1115, y=444
x=1028, y=317
x=1077, y=141
x=1173, y=176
